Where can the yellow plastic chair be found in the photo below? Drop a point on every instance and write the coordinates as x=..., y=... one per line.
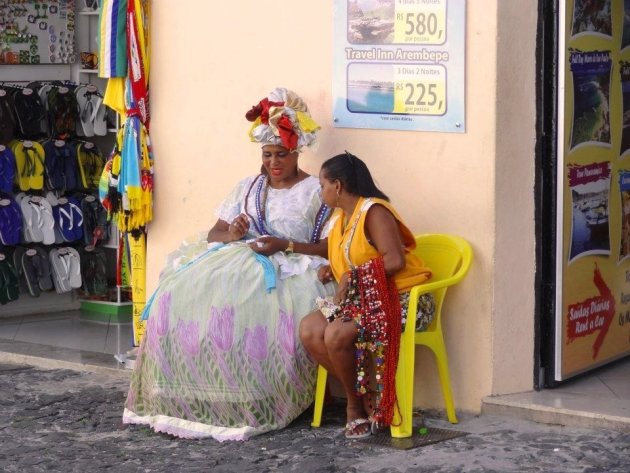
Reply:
x=449, y=258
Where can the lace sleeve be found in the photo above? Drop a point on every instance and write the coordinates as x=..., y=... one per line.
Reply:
x=229, y=209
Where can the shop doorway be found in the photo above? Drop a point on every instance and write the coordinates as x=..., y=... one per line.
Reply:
x=582, y=188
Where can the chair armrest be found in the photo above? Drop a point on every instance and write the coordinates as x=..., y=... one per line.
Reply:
x=433, y=286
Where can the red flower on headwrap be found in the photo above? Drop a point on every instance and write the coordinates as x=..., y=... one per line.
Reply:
x=262, y=110
x=288, y=137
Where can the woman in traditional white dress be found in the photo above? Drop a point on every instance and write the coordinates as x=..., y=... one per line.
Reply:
x=221, y=356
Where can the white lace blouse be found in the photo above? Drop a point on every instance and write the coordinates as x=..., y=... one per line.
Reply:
x=289, y=213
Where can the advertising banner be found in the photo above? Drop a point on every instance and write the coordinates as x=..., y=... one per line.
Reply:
x=593, y=228
x=399, y=64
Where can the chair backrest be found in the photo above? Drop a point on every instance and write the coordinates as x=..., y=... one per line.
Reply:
x=445, y=254
x=448, y=257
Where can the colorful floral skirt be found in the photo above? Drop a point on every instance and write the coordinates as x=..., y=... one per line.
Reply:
x=221, y=356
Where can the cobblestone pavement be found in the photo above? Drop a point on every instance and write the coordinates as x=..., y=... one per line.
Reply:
x=62, y=420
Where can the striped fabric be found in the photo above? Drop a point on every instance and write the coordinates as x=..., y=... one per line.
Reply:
x=112, y=38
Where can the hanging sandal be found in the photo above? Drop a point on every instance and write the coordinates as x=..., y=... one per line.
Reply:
x=354, y=425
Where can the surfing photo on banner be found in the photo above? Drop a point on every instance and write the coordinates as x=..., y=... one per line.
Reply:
x=591, y=98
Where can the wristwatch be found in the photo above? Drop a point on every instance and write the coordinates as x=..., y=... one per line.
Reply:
x=289, y=247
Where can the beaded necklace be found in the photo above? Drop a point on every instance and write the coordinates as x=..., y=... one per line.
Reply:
x=262, y=190
x=260, y=202
x=375, y=308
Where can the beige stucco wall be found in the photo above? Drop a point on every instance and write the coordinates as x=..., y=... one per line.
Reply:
x=210, y=64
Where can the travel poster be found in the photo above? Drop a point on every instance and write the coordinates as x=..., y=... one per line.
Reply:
x=399, y=64
x=590, y=189
x=591, y=97
x=624, y=239
x=592, y=17
x=625, y=25
x=624, y=75
x=593, y=233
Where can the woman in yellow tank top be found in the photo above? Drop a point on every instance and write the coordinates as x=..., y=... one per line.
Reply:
x=356, y=334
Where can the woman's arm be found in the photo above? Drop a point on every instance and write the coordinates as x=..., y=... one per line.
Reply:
x=382, y=231
x=268, y=245
x=225, y=232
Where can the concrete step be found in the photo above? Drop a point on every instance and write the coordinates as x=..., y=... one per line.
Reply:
x=561, y=408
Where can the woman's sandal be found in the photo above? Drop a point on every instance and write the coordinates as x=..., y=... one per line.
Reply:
x=353, y=425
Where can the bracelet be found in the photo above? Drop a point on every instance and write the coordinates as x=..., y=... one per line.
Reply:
x=289, y=248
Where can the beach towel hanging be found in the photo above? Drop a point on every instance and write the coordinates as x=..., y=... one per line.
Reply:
x=112, y=38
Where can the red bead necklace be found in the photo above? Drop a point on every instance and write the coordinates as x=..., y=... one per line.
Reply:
x=375, y=308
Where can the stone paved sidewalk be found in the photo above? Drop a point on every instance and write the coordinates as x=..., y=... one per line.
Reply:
x=67, y=421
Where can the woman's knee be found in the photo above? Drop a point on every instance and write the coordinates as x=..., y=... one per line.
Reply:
x=311, y=329
x=340, y=336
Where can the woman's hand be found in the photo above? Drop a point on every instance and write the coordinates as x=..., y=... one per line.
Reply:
x=268, y=245
x=324, y=274
x=342, y=289
x=239, y=227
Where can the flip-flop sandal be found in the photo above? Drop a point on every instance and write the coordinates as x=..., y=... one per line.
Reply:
x=85, y=126
x=44, y=279
x=27, y=216
x=74, y=272
x=63, y=219
x=91, y=165
x=7, y=169
x=4, y=282
x=10, y=220
x=53, y=200
x=18, y=252
x=71, y=171
x=9, y=288
x=29, y=163
x=33, y=218
x=60, y=262
x=353, y=425
x=100, y=117
x=13, y=289
x=22, y=164
x=29, y=269
x=76, y=214
x=48, y=222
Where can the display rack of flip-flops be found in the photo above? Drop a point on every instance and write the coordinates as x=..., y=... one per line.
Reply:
x=53, y=228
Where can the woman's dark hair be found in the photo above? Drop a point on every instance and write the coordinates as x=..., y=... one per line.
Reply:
x=353, y=174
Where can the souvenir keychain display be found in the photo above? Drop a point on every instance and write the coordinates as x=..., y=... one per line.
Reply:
x=37, y=32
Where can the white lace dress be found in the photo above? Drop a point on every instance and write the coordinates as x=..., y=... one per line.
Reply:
x=221, y=356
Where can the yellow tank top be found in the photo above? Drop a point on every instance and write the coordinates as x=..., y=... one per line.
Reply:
x=348, y=246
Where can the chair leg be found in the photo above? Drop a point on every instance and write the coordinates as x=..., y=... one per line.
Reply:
x=403, y=428
x=320, y=392
x=442, y=364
